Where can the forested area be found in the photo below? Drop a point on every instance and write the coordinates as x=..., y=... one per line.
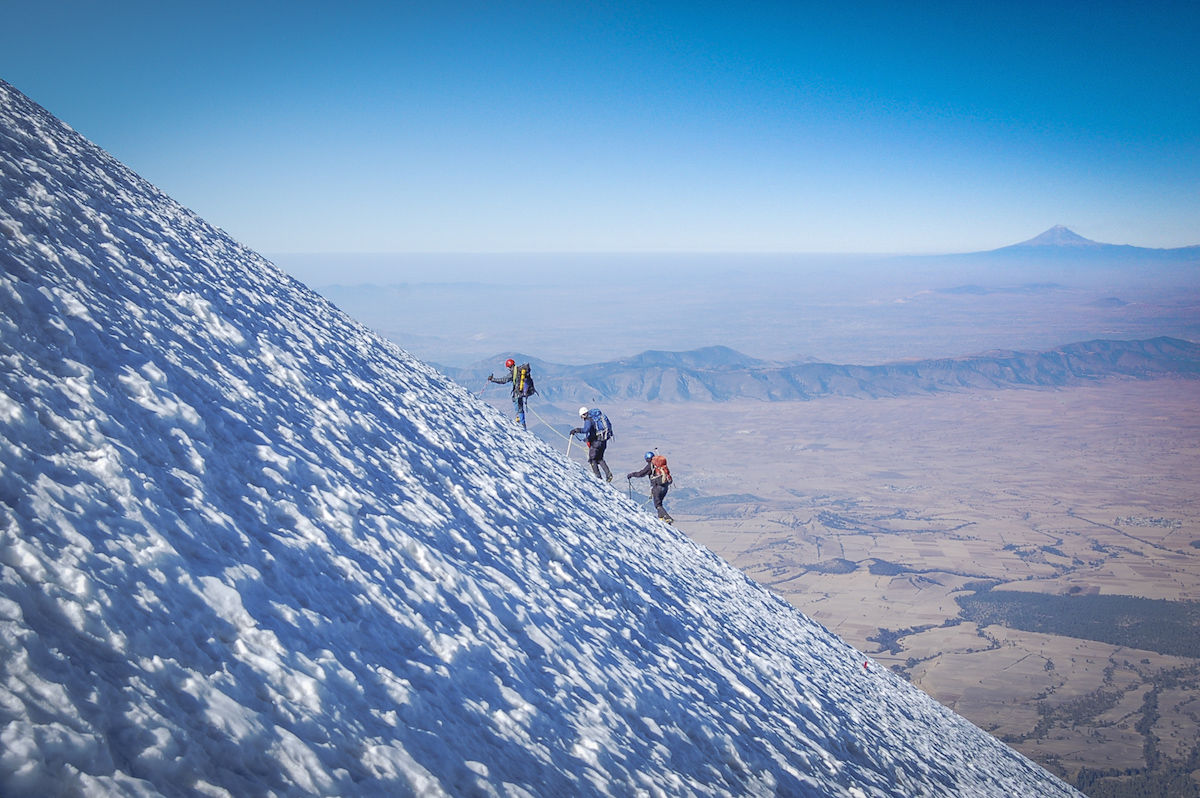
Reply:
x=1167, y=627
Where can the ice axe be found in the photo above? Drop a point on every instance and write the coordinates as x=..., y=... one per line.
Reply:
x=484, y=388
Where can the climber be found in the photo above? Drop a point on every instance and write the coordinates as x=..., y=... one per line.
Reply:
x=597, y=431
x=522, y=386
x=660, y=481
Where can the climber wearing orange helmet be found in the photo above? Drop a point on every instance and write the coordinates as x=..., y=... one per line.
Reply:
x=522, y=386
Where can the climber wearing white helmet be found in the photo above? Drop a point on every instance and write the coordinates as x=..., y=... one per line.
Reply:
x=597, y=431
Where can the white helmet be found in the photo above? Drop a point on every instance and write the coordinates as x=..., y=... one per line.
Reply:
x=583, y=411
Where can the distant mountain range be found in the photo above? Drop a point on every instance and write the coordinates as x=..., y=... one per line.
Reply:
x=717, y=373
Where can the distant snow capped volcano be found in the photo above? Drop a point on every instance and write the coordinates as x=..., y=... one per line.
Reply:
x=1059, y=236
x=247, y=547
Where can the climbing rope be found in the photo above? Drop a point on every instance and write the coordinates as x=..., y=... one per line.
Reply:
x=533, y=413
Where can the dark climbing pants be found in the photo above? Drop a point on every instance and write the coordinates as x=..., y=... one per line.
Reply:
x=658, y=493
x=596, y=459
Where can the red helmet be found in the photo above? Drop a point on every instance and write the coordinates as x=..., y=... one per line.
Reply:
x=510, y=363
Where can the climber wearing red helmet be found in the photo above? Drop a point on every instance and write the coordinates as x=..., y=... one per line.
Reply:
x=522, y=386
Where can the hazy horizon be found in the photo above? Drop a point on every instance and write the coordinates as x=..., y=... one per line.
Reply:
x=577, y=309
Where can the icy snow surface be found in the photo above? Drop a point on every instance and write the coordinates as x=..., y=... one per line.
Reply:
x=249, y=548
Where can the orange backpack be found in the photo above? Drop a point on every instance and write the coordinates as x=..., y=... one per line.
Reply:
x=658, y=470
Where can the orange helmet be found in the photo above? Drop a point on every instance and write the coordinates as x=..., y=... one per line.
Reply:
x=510, y=363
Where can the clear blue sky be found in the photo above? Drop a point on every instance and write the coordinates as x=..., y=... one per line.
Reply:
x=613, y=126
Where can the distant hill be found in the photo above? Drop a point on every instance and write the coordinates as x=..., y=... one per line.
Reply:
x=716, y=374
x=709, y=358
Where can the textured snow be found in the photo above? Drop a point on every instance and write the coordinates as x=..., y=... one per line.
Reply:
x=247, y=547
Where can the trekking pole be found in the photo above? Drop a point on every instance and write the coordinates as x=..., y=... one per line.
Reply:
x=569, y=439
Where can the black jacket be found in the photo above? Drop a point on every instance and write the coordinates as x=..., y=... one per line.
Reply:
x=645, y=472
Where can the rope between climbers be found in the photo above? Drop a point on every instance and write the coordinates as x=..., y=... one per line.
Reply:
x=533, y=413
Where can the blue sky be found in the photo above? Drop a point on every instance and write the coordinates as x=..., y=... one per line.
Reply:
x=562, y=126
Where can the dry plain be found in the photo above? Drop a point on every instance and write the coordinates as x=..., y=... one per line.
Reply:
x=874, y=516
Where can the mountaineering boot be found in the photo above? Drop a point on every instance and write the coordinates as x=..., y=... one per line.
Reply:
x=609, y=479
x=668, y=520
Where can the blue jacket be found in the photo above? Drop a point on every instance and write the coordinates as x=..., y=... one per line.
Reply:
x=590, y=429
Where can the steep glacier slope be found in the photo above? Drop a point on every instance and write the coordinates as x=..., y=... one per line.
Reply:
x=249, y=548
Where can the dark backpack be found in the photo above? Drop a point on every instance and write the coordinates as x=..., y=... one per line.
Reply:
x=523, y=381
x=658, y=470
x=604, y=429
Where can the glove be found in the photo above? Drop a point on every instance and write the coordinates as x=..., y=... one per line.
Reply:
x=628, y=477
x=577, y=430
x=491, y=378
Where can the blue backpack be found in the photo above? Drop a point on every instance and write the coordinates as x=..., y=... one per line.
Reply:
x=604, y=429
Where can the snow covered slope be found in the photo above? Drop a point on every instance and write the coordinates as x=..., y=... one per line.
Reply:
x=249, y=548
